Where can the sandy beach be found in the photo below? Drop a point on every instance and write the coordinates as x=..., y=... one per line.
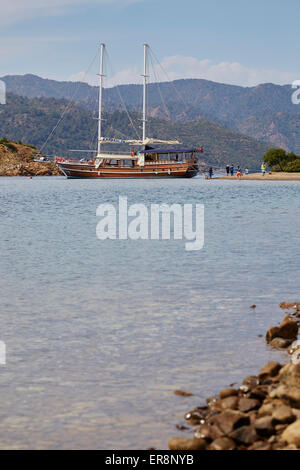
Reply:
x=270, y=177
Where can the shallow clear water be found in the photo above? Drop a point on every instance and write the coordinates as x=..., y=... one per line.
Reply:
x=100, y=334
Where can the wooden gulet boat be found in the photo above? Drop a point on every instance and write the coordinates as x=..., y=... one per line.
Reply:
x=149, y=162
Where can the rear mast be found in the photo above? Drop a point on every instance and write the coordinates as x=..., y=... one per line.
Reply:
x=145, y=91
x=101, y=76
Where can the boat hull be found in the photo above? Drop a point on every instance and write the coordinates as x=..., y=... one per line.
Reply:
x=78, y=170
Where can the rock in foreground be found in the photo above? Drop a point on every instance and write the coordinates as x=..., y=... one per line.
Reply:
x=262, y=414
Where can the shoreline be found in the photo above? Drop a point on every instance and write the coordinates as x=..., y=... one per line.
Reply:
x=280, y=176
x=31, y=169
x=263, y=413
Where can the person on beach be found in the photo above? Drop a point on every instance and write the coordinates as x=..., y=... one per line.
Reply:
x=210, y=172
x=263, y=169
x=239, y=174
x=246, y=171
x=232, y=170
x=227, y=170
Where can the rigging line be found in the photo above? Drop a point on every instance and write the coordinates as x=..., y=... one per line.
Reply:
x=121, y=98
x=68, y=106
x=161, y=95
x=171, y=82
x=93, y=139
x=159, y=89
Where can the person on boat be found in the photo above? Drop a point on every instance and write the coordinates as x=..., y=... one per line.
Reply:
x=227, y=169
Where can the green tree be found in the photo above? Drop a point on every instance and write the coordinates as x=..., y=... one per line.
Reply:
x=276, y=156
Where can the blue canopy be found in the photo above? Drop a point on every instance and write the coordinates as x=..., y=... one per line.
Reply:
x=164, y=150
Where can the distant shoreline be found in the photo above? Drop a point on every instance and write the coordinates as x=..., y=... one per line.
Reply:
x=269, y=177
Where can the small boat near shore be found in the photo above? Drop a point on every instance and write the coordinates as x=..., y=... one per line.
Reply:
x=143, y=160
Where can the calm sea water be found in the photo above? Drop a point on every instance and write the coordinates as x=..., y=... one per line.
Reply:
x=100, y=334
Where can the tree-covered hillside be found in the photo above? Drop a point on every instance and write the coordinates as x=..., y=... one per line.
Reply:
x=265, y=112
x=32, y=120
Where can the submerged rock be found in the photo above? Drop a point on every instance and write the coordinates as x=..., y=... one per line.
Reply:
x=181, y=393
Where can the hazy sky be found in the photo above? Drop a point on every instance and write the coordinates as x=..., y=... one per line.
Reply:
x=233, y=41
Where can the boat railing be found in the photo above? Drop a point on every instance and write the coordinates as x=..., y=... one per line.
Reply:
x=114, y=153
x=168, y=162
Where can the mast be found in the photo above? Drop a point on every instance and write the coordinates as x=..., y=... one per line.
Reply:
x=145, y=92
x=101, y=76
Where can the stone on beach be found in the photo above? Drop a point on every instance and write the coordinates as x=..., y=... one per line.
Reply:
x=230, y=420
x=289, y=387
x=177, y=443
x=195, y=417
x=287, y=330
x=283, y=415
x=260, y=445
x=245, y=435
x=262, y=414
x=271, y=369
x=289, y=305
x=205, y=431
x=228, y=392
x=248, y=404
x=222, y=443
x=272, y=333
x=230, y=403
x=280, y=343
x=260, y=392
x=292, y=434
x=264, y=426
x=251, y=381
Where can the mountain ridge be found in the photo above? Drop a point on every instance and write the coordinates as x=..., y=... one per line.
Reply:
x=32, y=120
x=235, y=107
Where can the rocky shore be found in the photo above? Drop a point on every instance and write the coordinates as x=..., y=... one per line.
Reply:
x=17, y=159
x=263, y=413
